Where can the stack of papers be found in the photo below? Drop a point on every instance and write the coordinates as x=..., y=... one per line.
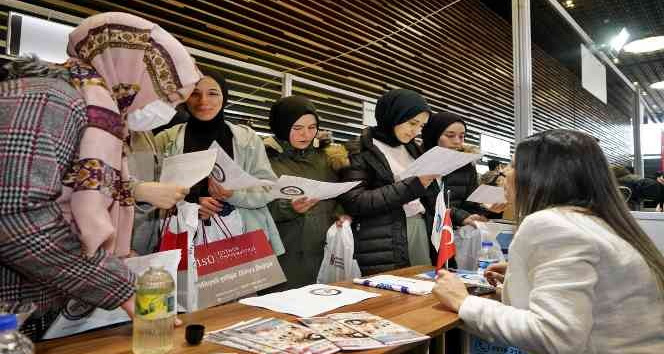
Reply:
x=310, y=300
x=322, y=335
x=395, y=283
x=272, y=335
x=378, y=328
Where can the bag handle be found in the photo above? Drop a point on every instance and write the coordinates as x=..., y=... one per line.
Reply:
x=225, y=229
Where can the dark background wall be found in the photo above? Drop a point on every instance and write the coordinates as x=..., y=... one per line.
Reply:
x=460, y=59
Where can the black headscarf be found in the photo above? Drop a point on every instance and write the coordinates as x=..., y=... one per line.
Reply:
x=200, y=134
x=436, y=125
x=393, y=108
x=286, y=111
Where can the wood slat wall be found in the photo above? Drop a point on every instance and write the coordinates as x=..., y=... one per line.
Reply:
x=460, y=59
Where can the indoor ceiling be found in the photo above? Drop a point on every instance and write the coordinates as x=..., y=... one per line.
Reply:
x=602, y=20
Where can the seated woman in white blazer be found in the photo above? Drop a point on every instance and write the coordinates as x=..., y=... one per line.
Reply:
x=583, y=277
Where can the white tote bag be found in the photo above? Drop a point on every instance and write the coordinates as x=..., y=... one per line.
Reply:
x=338, y=263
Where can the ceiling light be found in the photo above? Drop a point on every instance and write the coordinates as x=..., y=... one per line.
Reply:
x=657, y=85
x=645, y=45
x=618, y=42
x=568, y=4
x=616, y=61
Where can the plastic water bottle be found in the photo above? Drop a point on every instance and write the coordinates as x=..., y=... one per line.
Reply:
x=155, y=311
x=11, y=340
x=489, y=254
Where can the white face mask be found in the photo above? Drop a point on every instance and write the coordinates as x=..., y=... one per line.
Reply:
x=153, y=115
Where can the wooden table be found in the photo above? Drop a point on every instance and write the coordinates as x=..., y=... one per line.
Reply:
x=420, y=313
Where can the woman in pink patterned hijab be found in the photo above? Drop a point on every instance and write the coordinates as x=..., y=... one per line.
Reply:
x=65, y=194
x=121, y=64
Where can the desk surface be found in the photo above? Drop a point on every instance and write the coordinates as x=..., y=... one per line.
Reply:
x=421, y=313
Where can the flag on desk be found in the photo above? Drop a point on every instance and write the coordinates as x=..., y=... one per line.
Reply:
x=446, y=248
x=442, y=234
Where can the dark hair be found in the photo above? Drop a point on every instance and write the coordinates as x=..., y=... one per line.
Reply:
x=493, y=164
x=542, y=160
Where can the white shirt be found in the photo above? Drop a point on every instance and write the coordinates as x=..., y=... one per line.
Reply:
x=399, y=159
x=574, y=286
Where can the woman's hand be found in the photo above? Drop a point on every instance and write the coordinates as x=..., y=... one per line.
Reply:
x=217, y=191
x=450, y=291
x=128, y=306
x=209, y=207
x=495, y=208
x=495, y=273
x=161, y=195
x=427, y=179
x=342, y=218
x=302, y=205
x=473, y=218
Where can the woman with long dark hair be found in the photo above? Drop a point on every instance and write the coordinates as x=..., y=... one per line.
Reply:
x=583, y=277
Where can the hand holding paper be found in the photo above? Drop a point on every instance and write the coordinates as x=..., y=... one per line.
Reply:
x=230, y=175
x=438, y=161
x=488, y=195
x=291, y=187
x=187, y=169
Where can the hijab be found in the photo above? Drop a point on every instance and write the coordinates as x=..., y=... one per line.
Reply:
x=436, y=125
x=200, y=134
x=396, y=107
x=119, y=63
x=286, y=111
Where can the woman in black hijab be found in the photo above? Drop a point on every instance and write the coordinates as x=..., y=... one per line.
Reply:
x=303, y=222
x=392, y=217
x=206, y=124
x=448, y=130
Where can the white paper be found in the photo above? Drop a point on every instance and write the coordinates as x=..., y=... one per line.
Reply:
x=310, y=300
x=75, y=318
x=488, y=195
x=438, y=161
x=230, y=175
x=291, y=187
x=187, y=169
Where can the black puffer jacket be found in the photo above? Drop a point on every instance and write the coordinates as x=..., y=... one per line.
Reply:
x=460, y=184
x=376, y=205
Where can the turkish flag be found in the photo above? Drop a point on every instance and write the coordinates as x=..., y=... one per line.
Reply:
x=447, y=249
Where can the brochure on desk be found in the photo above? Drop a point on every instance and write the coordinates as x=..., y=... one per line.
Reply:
x=325, y=334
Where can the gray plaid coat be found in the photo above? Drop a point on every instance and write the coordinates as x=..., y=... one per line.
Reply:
x=41, y=121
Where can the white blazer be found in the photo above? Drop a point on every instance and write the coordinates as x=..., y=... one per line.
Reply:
x=572, y=286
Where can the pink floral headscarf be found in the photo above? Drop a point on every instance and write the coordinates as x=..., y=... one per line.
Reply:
x=119, y=63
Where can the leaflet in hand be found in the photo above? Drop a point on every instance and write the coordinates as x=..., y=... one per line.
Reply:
x=292, y=187
x=378, y=328
x=488, y=195
x=341, y=335
x=187, y=169
x=284, y=336
x=230, y=175
x=395, y=283
x=438, y=161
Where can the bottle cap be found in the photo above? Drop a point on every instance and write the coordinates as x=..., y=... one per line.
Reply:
x=8, y=322
x=194, y=334
x=487, y=243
